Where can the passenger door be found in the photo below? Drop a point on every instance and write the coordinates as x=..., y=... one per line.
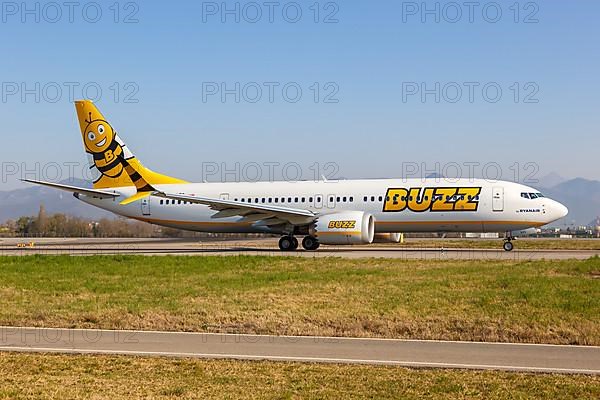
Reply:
x=498, y=199
x=146, y=206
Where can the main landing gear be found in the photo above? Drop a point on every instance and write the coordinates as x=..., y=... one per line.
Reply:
x=290, y=243
x=508, y=246
x=310, y=243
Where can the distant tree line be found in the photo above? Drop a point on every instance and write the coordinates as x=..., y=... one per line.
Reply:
x=63, y=225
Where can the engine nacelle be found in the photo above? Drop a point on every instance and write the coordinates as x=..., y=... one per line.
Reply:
x=387, y=237
x=348, y=227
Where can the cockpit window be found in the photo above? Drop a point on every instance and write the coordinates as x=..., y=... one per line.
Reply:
x=532, y=196
x=539, y=195
x=525, y=195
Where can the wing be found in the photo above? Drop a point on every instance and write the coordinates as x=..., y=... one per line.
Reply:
x=262, y=214
x=102, y=194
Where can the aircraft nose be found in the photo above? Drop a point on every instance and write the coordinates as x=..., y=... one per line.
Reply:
x=561, y=210
x=555, y=211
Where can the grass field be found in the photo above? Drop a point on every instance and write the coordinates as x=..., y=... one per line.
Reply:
x=83, y=377
x=520, y=244
x=533, y=301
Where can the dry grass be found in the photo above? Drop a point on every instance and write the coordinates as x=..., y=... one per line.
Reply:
x=533, y=301
x=34, y=376
x=520, y=244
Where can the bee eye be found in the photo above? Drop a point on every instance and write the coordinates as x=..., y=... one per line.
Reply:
x=91, y=136
x=101, y=129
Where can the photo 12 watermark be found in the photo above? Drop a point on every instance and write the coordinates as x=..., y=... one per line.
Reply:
x=271, y=92
x=490, y=92
x=270, y=12
x=525, y=172
x=55, y=92
x=211, y=171
x=470, y=12
x=70, y=12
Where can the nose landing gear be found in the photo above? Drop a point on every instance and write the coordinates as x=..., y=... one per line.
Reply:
x=508, y=246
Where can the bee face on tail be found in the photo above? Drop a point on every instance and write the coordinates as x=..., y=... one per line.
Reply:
x=100, y=141
x=98, y=136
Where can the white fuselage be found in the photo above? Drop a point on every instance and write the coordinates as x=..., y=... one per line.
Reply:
x=498, y=207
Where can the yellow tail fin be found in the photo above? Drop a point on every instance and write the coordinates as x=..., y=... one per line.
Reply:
x=115, y=164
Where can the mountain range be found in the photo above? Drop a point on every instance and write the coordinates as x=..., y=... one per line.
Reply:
x=26, y=202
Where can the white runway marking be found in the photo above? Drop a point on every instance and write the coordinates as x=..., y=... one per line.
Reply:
x=406, y=353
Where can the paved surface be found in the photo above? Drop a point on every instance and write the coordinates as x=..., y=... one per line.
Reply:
x=268, y=247
x=409, y=353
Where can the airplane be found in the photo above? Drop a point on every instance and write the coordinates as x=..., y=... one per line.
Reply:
x=342, y=212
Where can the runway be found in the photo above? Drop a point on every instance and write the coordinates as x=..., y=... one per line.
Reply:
x=406, y=353
x=268, y=247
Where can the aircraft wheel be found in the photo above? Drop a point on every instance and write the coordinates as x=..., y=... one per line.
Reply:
x=294, y=243
x=310, y=243
x=508, y=246
x=286, y=243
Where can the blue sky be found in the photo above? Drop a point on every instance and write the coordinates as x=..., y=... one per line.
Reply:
x=367, y=117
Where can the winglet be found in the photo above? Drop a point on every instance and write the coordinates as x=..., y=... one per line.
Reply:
x=144, y=189
x=135, y=197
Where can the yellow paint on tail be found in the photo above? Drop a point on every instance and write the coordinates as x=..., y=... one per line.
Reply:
x=116, y=165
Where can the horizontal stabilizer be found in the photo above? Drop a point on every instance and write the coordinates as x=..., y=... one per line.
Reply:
x=102, y=194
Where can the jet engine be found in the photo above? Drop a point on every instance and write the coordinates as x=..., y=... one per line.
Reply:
x=387, y=237
x=348, y=227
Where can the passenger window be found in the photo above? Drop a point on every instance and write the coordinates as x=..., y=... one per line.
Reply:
x=338, y=199
x=380, y=198
x=296, y=200
x=344, y=199
x=310, y=199
x=270, y=199
x=372, y=198
x=351, y=199
x=161, y=202
x=365, y=198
